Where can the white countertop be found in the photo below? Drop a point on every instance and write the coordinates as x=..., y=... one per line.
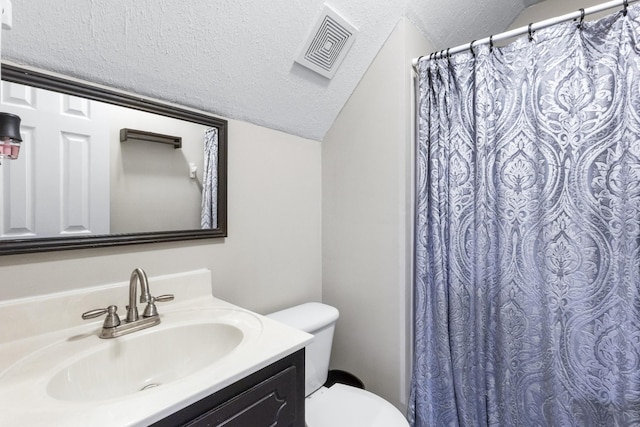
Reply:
x=34, y=326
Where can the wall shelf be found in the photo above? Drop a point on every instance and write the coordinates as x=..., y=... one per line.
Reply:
x=140, y=135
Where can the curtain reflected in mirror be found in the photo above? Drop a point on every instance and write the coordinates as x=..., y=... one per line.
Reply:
x=209, y=217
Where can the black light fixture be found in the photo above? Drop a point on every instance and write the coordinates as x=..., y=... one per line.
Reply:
x=10, y=138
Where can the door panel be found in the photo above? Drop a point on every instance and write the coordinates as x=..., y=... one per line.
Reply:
x=63, y=163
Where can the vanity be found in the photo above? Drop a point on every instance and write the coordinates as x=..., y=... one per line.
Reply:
x=206, y=363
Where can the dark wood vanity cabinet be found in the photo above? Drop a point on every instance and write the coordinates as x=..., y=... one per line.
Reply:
x=273, y=396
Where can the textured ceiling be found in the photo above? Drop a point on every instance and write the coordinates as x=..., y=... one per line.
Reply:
x=231, y=58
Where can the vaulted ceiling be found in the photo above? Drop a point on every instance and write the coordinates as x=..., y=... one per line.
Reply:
x=232, y=58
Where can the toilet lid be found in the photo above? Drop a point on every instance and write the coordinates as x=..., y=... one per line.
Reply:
x=345, y=406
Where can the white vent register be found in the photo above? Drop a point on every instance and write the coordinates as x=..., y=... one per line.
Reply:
x=328, y=43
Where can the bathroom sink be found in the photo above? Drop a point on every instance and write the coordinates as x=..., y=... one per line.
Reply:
x=84, y=368
x=55, y=368
x=140, y=362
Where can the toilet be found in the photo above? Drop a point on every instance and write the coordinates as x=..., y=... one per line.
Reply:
x=339, y=405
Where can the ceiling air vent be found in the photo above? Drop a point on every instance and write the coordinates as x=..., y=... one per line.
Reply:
x=328, y=43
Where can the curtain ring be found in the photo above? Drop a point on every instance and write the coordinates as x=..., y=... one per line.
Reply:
x=416, y=67
x=581, y=18
x=448, y=54
x=491, y=43
x=626, y=5
x=471, y=48
x=530, y=32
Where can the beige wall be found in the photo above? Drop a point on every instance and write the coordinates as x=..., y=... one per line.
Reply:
x=271, y=259
x=366, y=217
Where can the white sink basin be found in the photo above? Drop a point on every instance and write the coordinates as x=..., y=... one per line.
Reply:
x=85, y=368
x=141, y=361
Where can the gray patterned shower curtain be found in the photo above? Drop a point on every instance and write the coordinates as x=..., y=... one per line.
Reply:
x=527, y=275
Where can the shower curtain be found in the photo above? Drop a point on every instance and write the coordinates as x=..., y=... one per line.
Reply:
x=527, y=271
x=209, y=216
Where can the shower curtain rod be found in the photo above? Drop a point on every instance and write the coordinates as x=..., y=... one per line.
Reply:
x=527, y=29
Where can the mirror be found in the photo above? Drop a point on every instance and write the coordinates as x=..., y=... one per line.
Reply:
x=149, y=184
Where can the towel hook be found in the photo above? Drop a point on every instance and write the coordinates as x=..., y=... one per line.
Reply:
x=471, y=48
x=626, y=5
x=581, y=18
x=531, y=32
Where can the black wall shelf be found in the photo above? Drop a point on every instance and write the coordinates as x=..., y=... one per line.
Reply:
x=140, y=135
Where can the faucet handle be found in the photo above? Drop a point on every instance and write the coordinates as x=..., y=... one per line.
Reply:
x=111, y=321
x=164, y=298
x=151, y=310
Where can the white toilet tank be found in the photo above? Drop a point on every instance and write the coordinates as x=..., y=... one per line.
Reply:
x=319, y=320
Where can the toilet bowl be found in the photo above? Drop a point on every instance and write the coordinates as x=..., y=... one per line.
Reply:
x=340, y=405
x=344, y=405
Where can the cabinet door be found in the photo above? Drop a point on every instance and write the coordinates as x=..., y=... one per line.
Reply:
x=270, y=397
x=270, y=403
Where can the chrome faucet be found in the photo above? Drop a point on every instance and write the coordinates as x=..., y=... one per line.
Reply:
x=137, y=276
x=113, y=327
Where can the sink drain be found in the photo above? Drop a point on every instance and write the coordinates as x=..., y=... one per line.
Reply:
x=148, y=386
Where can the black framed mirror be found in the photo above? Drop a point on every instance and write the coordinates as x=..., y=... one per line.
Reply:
x=121, y=236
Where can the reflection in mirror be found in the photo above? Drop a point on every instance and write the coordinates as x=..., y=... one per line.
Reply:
x=99, y=167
